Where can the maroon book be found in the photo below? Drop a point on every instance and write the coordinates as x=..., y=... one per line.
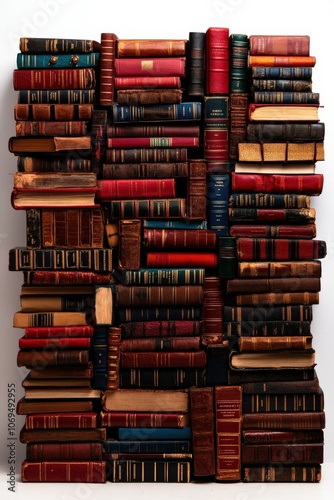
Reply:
x=63, y=451
x=279, y=249
x=273, y=231
x=310, y=184
x=157, y=66
x=67, y=278
x=147, y=82
x=217, y=61
x=151, y=142
x=64, y=471
x=172, y=328
x=107, y=68
x=179, y=238
x=189, y=343
x=54, y=79
x=111, y=189
x=163, y=359
x=143, y=419
x=78, y=420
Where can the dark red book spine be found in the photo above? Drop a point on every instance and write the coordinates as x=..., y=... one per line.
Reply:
x=159, y=66
x=163, y=130
x=279, y=249
x=54, y=79
x=53, y=343
x=217, y=61
x=145, y=155
x=281, y=453
x=107, y=68
x=46, y=128
x=80, y=420
x=163, y=359
x=63, y=451
x=66, y=278
x=216, y=144
x=41, y=332
x=310, y=184
x=279, y=45
x=252, y=436
x=151, y=142
x=64, y=471
x=161, y=328
x=182, y=259
x=212, y=311
x=179, y=238
x=276, y=231
x=158, y=344
x=281, y=421
x=110, y=189
x=148, y=82
x=143, y=419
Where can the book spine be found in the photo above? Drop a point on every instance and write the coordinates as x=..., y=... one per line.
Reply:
x=274, y=298
x=182, y=259
x=156, y=208
x=227, y=257
x=107, y=69
x=286, y=473
x=307, y=231
x=147, y=446
x=148, y=82
x=145, y=155
x=36, y=164
x=217, y=61
x=31, y=45
x=218, y=190
x=33, y=228
x=287, y=342
x=280, y=421
x=62, y=96
x=196, y=190
x=53, y=112
x=152, y=142
x=129, y=97
x=285, y=60
x=280, y=45
x=61, y=420
x=129, y=244
x=186, y=276
x=113, y=357
x=266, y=328
x=67, y=471
x=195, y=68
x=36, y=452
x=174, y=359
x=284, y=72
x=161, y=344
x=265, y=285
x=249, y=249
x=239, y=48
x=67, y=278
x=54, y=79
x=161, y=170
x=263, y=403
x=287, y=151
x=157, y=112
x=162, y=471
x=269, y=200
x=142, y=329
x=212, y=315
x=111, y=189
x=157, y=313
x=152, y=130
x=216, y=127
x=238, y=122
x=170, y=66
x=162, y=378
x=38, y=359
x=282, y=85
x=178, y=238
x=285, y=97
x=285, y=131
x=144, y=419
x=252, y=437
x=277, y=313
x=58, y=331
x=46, y=128
x=42, y=61
x=302, y=184
x=274, y=453
x=98, y=355
x=151, y=48
x=98, y=140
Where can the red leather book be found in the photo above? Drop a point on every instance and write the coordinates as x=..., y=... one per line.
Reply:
x=281, y=61
x=151, y=48
x=148, y=82
x=228, y=417
x=46, y=128
x=53, y=111
x=54, y=79
x=79, y=420
x=107, y=69
x=34, y=359
x=45, y=277
x=178, y=343
x=280, y=249
x=305, y=453
x=272, y=215
x=153, y=130
x=216, y=146
x=129, y=97
x=202, y=426
x=36, y=452
x=144, y=155
x=153, y=142
x=277, y=284
x=254, y=436
x=179, y=238
x=182, y=259
x=157, y=66
x=113, y=357
x=279, y=45
x=45, y=332
x=64, y=471
x=143, y=419
x=311, y=184
x=212, y=311
x=217, y=61
x=161, y=328
x=129, y=243
x=281, y=421
x=197, y=190
x=54, y=343
x=111, y=189
x=141, y=296
x=163, y=359
x=306, y=231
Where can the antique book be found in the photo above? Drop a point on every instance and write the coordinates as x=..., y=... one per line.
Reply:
x=305, y=453
x=148, y=471
x=42, y=128
x=281, y=331
x=32, y=45
x=54, y=78
x=187, y=111
x=179, y=238
x=202, y=426
x=306, y=231
x=59, y=343
x=277, y=215
x=98, y=356
x=276, y=249
x=107, y=69
x=91, y=471
x=283, y=72
x=236, y=376
x=279, y=45
x=285, y=97
x=301, y=420
x=111, y=446
x=284, y=386
x=175, y=359
x=212, y=311
x=60, y=60
x=104, y=305
x=45, y=332
x=291, y=402
x=47, y=393
x=285, y=131
x=228, y=418
x=33, y=359
x=113, y=357
x=268, y=269
x=238, y=121
x=217, y=66
x=130, y=97
x=275, y=167
x=227, y=257
x=155, y=296
x=177, y=343
x=279, y=473
x=160, y=170
x=282, y=60
x=135, y=189
x=63, y=451
x=53, y=112
x=182, y=259
x=282, y=84
x=129, y=244
x=282, y=113
x=218, y=190
x=98, y=140
x=147, y=82
x=146, y=155
x=216, y=127
x=153, y=329
x=151, y=47
x=75, y=96
x=162, y=378
x=281, y=151
x=173, y=313
x=269, y=200
x=53, y=277
x=78, y=420
x=160, y=276
x=150, y=400
x=58, y=318
x=278, y=183
x=195, y=70
x=273, y=298
x=41, y=144
x=239, y=48
x=23, y=180
x=273, y=313
x=52, y=164
x=27, y=406
x=30, y=382
x=304, y=358
x=152, y=142
x=146, y=66
x=53, y=197
x=160, y=208
x=279, y=284
x=127, y=433
x=255, y=436
x=144, y=419
x=196, y=190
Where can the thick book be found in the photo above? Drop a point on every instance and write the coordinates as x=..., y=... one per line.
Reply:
x=153, y=329
x=291, y=402
x=278, y=183
x=148, y=471
x=144, y=419
x=228, y=419
x=273, y=333
x=285, y=97
x=27, y=406
x=43, y=128
x=40, y=332
x=276, y=249
x=146, y=155
x=147, y=82
x=301, y=420
x=269, y=269
x=281, y=72
x=202, y=427
x=53, y=112
x=196, y=190
x=275, y=167
x=175, y=359
x=152, y=130
x=155, y=296
x=174, y=313
x=134, y=47
x=160, y=276
x=304, y=358
x=162, y=378
x=135, y=189
x=53, y=277
x=23, y=180
x=54, y=79
x=133, y=433
x=52, y=343
x=107, y=69
x=79, y=420
x=271, y=375
x=37, y=358
x=217, y=67
x=218, y=190
x=282, y=387
x=179, y=238
x=282, y=60
x=75, y=96
x=283, y=131
x=36, y=452
x=182, y=259
x=111, y=446
x=283, y=453
x=272, y=215
x=48, y=393
x=34, y=45
x=276, y=285
x=307, y=231
x=177, y=343
x=129, y=244
x=282, y=473
x=60, y=60
x=269, y=200
x=273, y=298
x=41, y=144
x=195, y=69
x=279, y=45
x=186, y=111
x=259, y=436
x=216, y=128
x=272, y=313
x=238, y=120
x=160, y=170
x=282, y=84
x=281, y=151
x=160, y=208
x=71, y=471
x=275, y=112
x=131, y=97
x=150, y=400
x=146, y=66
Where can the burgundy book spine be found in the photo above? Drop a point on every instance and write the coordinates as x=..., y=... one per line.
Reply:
x=217, y=61
x=279, y=249
x=67, y=278
x=151, y=142
x=252, y=436
x=80, y=420
x=36, y=332
x=53, y=112
x=141, y=296
x=148, y=82
x=279, y=231
x=216, y=144
x=158, y=344
x=107, y=68
x=279, y=45
x=163, y=359
x=293, y=421
x=197, y=190
x=261, y=285
x=159, y=66
x=161, y=328
x=110, y=189
x=113, y=357
x=129, y=244
x=153, y=130
x=212, y=311
x=63, y=451
x=64, y=471
x=54, y=343
x=54, y=79
x=310, y=184
x=144, y=155
x=305, y=453
x=143, y=419
x=179, y=238
x=182, y=259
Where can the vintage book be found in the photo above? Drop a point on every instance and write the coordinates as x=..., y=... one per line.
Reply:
x=263, y=249
x=148, y=471
x=251, y=436
x=162, y=378
x=302, y=420
x=280, y=45
x=239, y=48
x=174, y=224
x=217, y=363
x=32, y=45
x=53, y=277
x=282, y=60
x=149, y=400
x=186, y=111
x=278, y=183
x=179, y=238
x=238, y=121
x=144, y=419
x=304, y=358
x=53, y=112
x=147, y=456
x=285, y=97
x=227, y=257
x=61, y=343
x=146, y=446
x=272, y=313
x=218, y=190
x=135, y=189
x=153, y=130
x=98, y=356
x=281, y=84
x=42, y=128
x=285, y=131
x=147, y=82
x=216, y=128
x=85, y=259
x=146, y=155
x=284, y=386
x=107, y=69
x=268, y=269
x=273, y=298
x=217, y=62
x=91, y=471
x=196, y=190
x=58, y=318
x=236, y=376
x=130, y=97
x=279, y=473
x=113, y=360
x=75, y=96
x=160, y=276
x=228, y=417
x=52, y=164
x=54, y=79
x=153, y=142
x=63, y=451
x=27, y=407
x=182, y=259
x=23, y=180
x=281, y=151
x=277, y=285
x=151, y=47
x=273, y=215
x=273, y=231
x=147, y=66
x=98, y=140
x=146, y=208
x=53, y=197
x=104, y=304
x=286, y=112
x=177, y=343
x=269, y=200
x=45, y=332
x=212, y=314
x=281, y=72
x=60, y=60
x=129, y=244
x=40, y=144
x=275, y=167
x=161, y=170
x=203, y=434
x=30, y=382
x=155, y=296
x=79, y=420
x=195, y=68
x=132, y=433
x=36, y=358
x=47, y=393
x=175, y=359
x=282, y=331
x=153, y=329
x=291, y=402
x=174, y=313
x=83, y=371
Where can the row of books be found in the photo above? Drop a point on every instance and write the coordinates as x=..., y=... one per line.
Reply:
x=171, y=261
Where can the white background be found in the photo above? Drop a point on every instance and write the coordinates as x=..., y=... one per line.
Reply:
x=167, y=19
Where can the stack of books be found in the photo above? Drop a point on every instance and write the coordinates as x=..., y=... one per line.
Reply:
x=171, y=261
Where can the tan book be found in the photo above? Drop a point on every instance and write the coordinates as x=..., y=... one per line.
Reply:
x=146, y=400
x=281, y=151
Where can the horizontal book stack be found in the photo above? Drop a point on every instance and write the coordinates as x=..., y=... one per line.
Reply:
x=268, y=304
x=171, y=262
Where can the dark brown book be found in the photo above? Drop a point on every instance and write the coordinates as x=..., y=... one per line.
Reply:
x=283, y=386
x=228, y=418
x=42, y=128
x=282, y=473
x=307, y=231
x=98, y=140
x=107, y=69
x=268, y=269
x=52, y=164
x=195, y=69
x=305, y=453
x=63, y=451
x=175, y=359
x=271, y=131
x=267, y=329
x=62, y=435
x=38, y=358
x=302, y=420
x=146, y=155
x=236, y=376
x=27, y=406
x=142, y=296
x=212, y=311
x=150, y=48
x=255, y=436
x=113, y=357
x=70, y=471
x=67, y=278
x=142, y=97
x=238, y=121
x=203, y=434
x=153, y=329
x=273, y=298
x=275, y=285
x=53, y=112
x=152, y=170
x=32, y=45
x=196, y=190
x=290, y=402
x=129, y=244
x=279, y=215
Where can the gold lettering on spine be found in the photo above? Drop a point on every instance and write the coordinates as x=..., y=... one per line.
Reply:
x=147, y=65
